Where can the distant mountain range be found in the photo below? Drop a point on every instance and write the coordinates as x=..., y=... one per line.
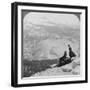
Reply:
x=46, y=36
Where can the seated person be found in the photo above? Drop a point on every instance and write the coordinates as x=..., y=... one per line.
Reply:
x=62, y=59
x=71, y=53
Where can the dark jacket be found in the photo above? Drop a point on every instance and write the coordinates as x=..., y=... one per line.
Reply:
x=71, y=53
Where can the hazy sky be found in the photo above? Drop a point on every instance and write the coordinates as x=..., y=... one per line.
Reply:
x=51, y=19
x=24, y=12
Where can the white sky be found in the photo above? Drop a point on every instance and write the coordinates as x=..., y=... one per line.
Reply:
x=51, y=19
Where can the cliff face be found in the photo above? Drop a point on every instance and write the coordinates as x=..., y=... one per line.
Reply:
x=69, y=69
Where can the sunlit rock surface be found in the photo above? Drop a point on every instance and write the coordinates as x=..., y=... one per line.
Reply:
x=64, y=70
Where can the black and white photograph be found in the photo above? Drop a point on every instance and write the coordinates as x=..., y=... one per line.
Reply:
x=50, y=44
